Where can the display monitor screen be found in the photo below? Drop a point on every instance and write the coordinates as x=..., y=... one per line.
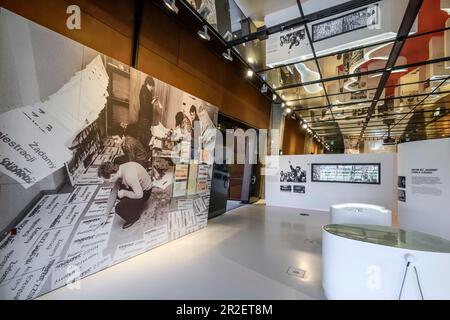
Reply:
x=368, y=173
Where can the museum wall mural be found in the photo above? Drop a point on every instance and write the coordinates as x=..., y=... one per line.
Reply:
x=97, y=160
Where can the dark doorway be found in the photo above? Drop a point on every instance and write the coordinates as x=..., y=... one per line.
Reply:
x=234, y=185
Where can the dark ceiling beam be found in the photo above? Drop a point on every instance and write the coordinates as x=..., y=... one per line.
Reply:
x=362, y=90
x=302, y=20
x=426, y=95
x=410, y=16
x=366, y=73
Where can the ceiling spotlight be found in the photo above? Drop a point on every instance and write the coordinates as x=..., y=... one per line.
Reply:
x=305, y=126
x=283, y=104
x=204, y=34
x=288, y=110
x=171, y=5
x=227, y=55
x=249, y=73
x=250, y=60
x=274, y=97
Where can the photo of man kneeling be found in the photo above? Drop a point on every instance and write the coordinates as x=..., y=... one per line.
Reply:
x=135, y=188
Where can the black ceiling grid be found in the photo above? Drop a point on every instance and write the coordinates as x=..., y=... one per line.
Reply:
x=415, y=35
x=302, y=20
x=333, y=116
x=421, y=102
x=338, y=144
x=405, y=27
x=366, y=73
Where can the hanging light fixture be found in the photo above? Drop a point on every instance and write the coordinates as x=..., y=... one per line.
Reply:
x=204, y=34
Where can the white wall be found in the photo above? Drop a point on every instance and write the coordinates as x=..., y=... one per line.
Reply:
x=321, y=195
x=427, y=204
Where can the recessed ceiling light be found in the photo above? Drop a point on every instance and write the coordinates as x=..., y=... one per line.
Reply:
x=204, y=34
x=305, y=126
x=250, y=60
x=171, y=5
x=283, y=104
x=249, y=73
x=288, y=110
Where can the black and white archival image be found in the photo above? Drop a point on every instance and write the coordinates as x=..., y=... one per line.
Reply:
x=346, y=173
x=402, y=182
x=367, y=17
x=98, y=162
x=401, y=195
x=299, y=189
x=293, y=173
x=292, y=39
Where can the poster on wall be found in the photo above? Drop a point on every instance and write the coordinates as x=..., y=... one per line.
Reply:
x=401, y=183
x=346, y=173
x=293, y=173
x=125, y=192
x=401, y=195
x=285, y=188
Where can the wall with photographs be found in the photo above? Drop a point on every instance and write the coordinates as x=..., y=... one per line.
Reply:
x=288, y=182
x=424, y=186
x=68, y=114
x=167, y=51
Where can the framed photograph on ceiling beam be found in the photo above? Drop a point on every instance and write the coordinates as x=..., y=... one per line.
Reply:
x=363, y=18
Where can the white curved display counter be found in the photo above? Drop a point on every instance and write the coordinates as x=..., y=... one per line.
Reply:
x=378, y=262
x=360, y=213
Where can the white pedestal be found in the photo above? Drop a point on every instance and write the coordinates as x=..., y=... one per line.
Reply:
x=369, y=262
x=360, y=213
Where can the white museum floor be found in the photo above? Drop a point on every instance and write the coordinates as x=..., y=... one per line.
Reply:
x=252, y=252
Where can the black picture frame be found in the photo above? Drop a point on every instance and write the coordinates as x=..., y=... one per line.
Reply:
x=378, y=165
x=341, y=18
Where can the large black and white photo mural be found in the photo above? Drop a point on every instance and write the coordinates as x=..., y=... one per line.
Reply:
x=97, y=160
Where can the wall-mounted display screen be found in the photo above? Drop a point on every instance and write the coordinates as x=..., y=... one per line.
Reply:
x=368, y=173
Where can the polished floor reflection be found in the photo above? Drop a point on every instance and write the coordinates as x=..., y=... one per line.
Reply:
x=252, y=252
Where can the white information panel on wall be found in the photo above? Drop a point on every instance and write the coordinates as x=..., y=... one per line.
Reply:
x=423, y=185
x=133, y=180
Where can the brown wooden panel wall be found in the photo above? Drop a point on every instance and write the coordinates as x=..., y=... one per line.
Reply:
x=293, y=138
x=167, y=51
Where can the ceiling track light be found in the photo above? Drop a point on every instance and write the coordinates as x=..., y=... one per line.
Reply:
x=171, y=5
x=227, y=55
x=204, y=34
x=264, y=88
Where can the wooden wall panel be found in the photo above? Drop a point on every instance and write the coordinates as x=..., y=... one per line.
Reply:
x=293, y=138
